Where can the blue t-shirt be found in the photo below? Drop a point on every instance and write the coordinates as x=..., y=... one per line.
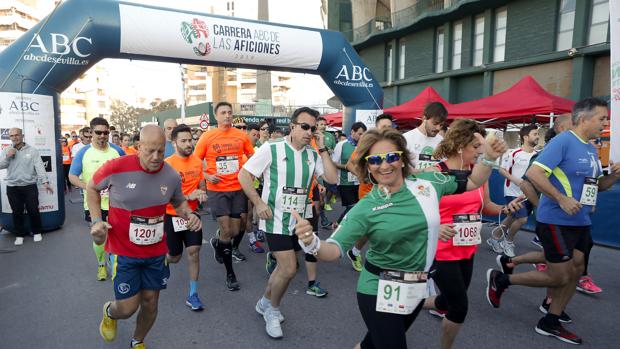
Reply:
x=568, y=160
x=169, y=149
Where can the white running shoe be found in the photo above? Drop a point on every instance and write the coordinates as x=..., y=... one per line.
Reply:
x=261, y=310
x=37, y=237
x=272, y=323
x=19, y=241
x=495, y=245
x=508, y=247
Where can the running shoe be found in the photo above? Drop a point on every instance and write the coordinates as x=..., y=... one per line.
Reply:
x=216, y=253
x=272, y=323
x=586, y=285
x=333, y=200
x=107, y=327
x=238, y=256
x=540, y=266
x=194, y=302
x=536, y=242
x=438, y=313
x=37, y=237
x=260, y=235
x=496, y=245
x=328, y=207
x=261, y=310
x=316, y=290
x=356, y=261
x=544, y=308
x=139, y=345
x=502, y=262
x=508, y=247
x=494, y=292
x=102, y=273
x=257, y=247
x=231, y=282
x=19, y=241
x=558, y=331
x=271, y=263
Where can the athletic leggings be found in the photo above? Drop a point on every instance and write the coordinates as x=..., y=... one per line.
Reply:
x=586, y=256
x=452, y=279
x=385, y=330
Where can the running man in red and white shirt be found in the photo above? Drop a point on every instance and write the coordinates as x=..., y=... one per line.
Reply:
x=140, y=186
x=513, y=168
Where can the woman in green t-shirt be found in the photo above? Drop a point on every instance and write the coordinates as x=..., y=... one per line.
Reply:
x=400, y=218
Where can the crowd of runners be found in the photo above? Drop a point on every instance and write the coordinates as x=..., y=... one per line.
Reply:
x=411, y=225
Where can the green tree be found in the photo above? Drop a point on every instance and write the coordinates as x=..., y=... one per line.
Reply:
x=163, y=105
x=124, y=116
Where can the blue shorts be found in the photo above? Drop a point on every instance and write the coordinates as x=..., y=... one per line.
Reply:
x=130, y=275
x=525, y=211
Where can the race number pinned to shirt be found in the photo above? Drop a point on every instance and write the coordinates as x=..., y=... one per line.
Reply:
x=425, y=160
x=401, y=292
x=294, y=199
x=589, y=191
x=468, y=227
x=65, y=157
x=351, y=178
x=179, y=224
x=227, y=164
x=146, y=230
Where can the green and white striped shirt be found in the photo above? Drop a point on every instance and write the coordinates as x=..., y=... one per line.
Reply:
x=287, y=175
x=342, y=154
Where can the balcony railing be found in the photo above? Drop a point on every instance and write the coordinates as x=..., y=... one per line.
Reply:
x=402, y=17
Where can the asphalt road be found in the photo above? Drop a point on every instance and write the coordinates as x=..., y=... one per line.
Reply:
x=49, y=298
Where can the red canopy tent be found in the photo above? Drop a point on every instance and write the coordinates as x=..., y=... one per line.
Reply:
x=409, y=114
x=406, y=115
x=517, y=104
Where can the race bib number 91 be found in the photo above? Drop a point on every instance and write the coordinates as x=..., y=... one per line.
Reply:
x=401, y=294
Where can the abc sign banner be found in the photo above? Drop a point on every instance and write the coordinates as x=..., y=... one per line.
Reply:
x=164, y=33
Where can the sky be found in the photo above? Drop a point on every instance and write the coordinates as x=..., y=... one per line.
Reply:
x=129, y=79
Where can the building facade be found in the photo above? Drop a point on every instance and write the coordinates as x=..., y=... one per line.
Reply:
x=469, y=49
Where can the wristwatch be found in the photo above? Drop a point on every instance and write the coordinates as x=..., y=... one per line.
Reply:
x=324, y=149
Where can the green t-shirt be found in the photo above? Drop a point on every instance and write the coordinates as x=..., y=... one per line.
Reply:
x=402, y=230
x=342, y=154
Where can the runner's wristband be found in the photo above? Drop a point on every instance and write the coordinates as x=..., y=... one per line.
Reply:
x=314, y=246
x=94, y=221
x=196, y=214
x=490, y=163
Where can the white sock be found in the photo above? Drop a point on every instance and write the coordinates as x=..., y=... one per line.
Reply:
x=264, y=302
x=355, y=251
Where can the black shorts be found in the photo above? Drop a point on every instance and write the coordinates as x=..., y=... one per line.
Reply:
x=348, y=194
x=316, y=194
x=177, y=239
x=227, y=203
x=104, y=215
x=559, y=241
x=279, y=242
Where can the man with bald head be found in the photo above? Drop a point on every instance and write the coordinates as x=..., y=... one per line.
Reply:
x=140, y=186
x=169, y=125
x=24, y=169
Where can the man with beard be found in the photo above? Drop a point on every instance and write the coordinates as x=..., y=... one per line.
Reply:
x=422, y=141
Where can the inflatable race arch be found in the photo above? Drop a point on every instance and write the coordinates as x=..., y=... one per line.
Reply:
x=36, y=68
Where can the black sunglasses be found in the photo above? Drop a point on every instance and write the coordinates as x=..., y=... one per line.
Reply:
x=304, y=126
x=377, y=159
x=99, y=133
x=264, y=128
x=241, y=127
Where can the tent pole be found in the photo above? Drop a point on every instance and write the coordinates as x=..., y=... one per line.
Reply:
x=551, y=115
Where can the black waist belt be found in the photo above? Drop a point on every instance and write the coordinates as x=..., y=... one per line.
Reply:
x=373, y=269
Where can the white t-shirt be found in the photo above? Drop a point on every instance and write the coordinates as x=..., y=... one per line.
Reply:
x=516, y=163
x=421, y=148
x=76, y=148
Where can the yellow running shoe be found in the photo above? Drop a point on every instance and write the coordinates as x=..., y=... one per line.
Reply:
x=102, y=273
x=139, y=346
x=107, y=327
x=328, y=207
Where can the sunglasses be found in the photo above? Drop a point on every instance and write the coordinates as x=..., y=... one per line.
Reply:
x=377, y=159
x=304, y=126
x=241, y=127
x=99, y=133
x=264, y=128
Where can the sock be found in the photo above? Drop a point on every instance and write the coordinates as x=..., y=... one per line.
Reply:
x=503, y=281
x=311, y=283
x=237, y=239
x=355, y=251
x=226, y=253
x=193, y=287
x=107, y=311
x=99, y=253
x=264, y=302
x=134, y=342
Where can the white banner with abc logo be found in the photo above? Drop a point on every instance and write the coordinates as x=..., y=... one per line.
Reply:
x=367, y=116
x=34, y=114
